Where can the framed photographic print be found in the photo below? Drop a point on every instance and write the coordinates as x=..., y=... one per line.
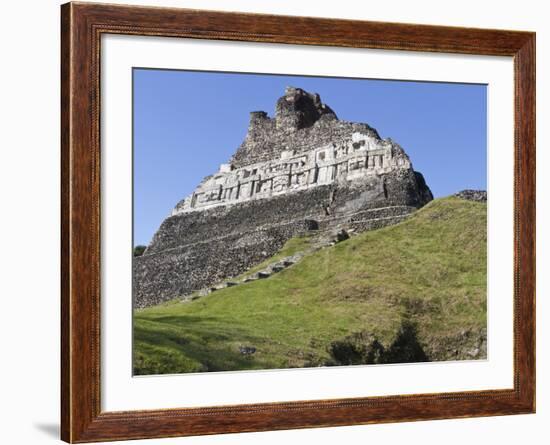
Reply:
x=276, y=222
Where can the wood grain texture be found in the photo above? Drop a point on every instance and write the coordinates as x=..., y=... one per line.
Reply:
x=81, y=28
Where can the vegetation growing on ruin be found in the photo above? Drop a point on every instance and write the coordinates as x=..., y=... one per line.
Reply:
x=421, y=283
x=138, y=250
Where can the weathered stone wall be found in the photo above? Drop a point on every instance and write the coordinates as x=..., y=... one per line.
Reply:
x=239, y=218
x=178, y=271
x=472, y=195
x=403, y=187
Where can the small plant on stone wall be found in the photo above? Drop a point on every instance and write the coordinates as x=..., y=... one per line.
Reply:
x=138, y=250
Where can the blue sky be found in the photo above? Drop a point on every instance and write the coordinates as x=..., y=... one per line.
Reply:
x=186, y=123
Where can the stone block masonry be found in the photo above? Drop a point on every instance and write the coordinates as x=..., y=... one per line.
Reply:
x=300, y=171
x=178, y=271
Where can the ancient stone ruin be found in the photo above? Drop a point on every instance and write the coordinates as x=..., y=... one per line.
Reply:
x=472, y=195
x=301, y=171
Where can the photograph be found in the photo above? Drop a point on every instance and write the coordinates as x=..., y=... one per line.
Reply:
x=286, y=221
x=272, y=220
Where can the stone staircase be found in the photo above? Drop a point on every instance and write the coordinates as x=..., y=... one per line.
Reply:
x=318, y=241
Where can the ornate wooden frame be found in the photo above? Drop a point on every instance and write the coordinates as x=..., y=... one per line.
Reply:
x=82, y=25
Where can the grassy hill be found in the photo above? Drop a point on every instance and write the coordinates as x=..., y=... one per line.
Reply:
x=411, y=292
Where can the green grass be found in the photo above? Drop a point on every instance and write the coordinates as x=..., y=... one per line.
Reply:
x=429, y=270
